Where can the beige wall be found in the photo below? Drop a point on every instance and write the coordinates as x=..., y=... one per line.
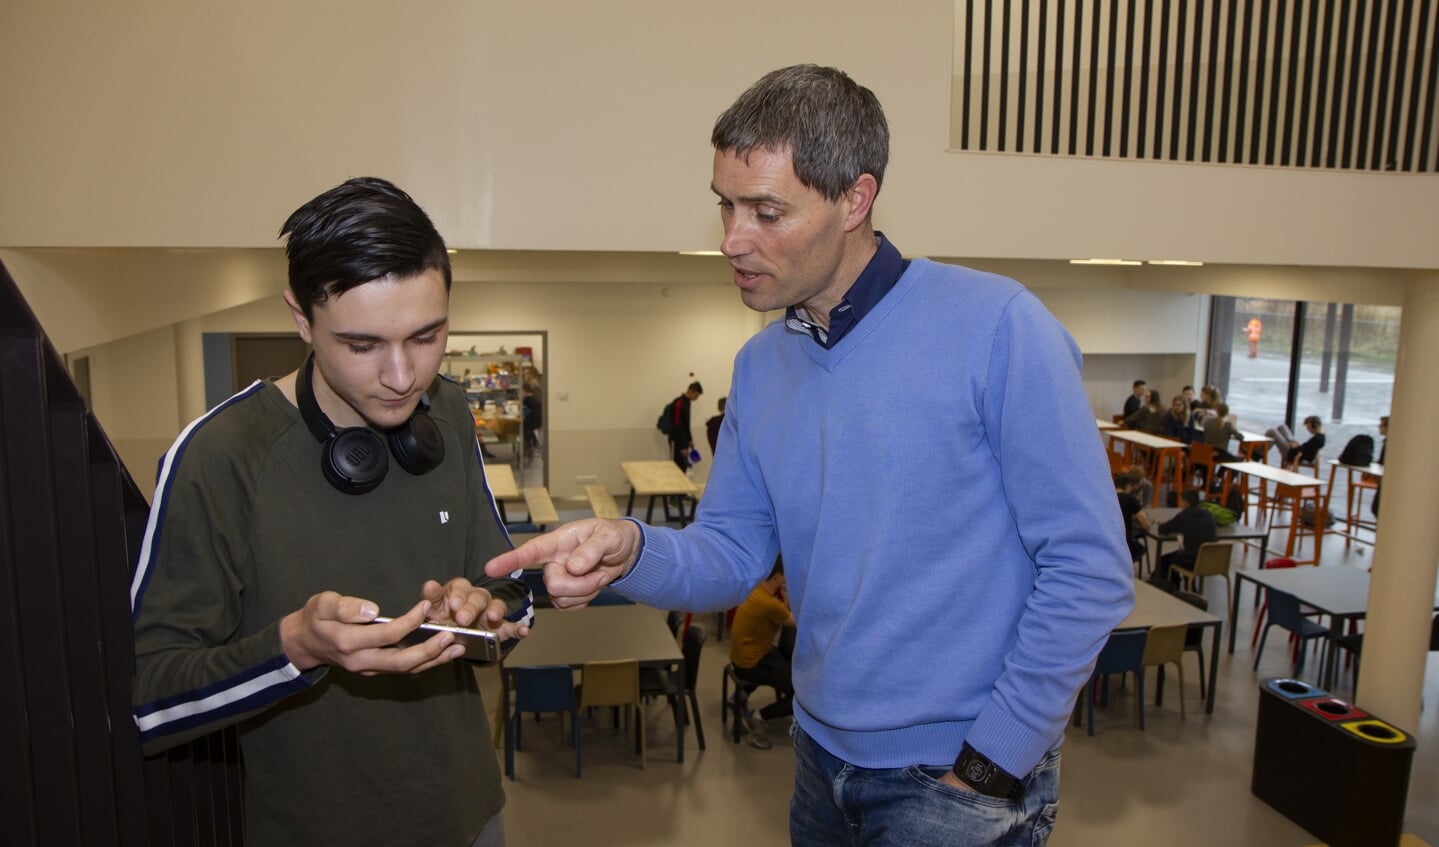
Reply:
x=153, y=148
x=579, y=126
x=617, y=352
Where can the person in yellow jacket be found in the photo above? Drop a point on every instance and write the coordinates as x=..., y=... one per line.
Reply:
x=756, y=656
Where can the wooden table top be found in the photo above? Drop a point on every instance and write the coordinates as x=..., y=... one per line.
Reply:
x=501, y=478
x=1154, y=607
x=1144, y=439
x=1252, y=437
x=1373, y=468
x=597, y=634
x=657, y=477
x=1105, y=424
x=1273, y=474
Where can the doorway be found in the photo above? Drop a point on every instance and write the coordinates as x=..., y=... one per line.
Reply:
x=503, y=374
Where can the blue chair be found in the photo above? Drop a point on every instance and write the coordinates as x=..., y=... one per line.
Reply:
x=550, y=688
x=1285, y=612
x=1123, y=653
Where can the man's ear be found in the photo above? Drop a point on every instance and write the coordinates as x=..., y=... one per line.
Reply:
x=302, y=323
x=860, y=198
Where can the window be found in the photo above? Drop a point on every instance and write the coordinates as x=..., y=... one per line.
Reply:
x=1279, y=361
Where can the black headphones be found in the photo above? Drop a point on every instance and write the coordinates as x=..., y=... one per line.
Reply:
x=353, y=458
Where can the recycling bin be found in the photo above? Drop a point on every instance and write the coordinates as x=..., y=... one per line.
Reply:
x=1329, y=766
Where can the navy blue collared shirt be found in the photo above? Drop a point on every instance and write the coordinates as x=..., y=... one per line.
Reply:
x=879, y=276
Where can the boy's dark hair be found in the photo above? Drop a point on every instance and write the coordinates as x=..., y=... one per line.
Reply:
x=359, y=231
x=1191, y=497
x=1127, y=477
x=696, y=387
x=834, y=127
x=1139, y=382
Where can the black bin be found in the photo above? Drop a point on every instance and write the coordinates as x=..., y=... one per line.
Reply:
x=1330, y=767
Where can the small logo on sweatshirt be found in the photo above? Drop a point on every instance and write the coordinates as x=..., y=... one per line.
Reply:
x=444, y=517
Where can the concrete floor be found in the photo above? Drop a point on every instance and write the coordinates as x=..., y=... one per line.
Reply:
x=1179, y=782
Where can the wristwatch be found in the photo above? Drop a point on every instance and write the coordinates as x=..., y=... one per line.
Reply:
x=976, y=770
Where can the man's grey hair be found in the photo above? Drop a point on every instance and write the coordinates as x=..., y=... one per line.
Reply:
x=833, y=127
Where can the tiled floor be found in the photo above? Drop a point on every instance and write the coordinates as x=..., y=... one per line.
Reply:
x=1179, y=782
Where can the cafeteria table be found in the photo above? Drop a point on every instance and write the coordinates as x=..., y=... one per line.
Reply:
x=1164, y=451
x=595, y=634
x=1156, y=607
x=1339, y=591
x=658, y=478
x=1234, y=532
x=501, y=480
x=1298, y=487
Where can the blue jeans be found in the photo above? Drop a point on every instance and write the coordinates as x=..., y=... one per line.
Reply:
x=838, y=803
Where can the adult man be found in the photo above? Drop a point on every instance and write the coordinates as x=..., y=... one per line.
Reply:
x=757, y=657
x=951, y=592
x=1136, y=397
x=279, y=532
x=679, y=435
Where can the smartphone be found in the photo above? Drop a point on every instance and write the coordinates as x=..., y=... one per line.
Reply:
x=481, y=645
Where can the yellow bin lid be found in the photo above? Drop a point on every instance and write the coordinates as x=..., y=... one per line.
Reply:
x=1377, y=731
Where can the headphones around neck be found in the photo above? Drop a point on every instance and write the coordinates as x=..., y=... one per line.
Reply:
x=353, y=458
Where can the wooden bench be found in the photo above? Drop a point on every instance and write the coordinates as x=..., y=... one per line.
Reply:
x=541, y=507
x=602, y=502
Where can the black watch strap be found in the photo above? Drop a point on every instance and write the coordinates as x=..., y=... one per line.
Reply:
x=976, y=770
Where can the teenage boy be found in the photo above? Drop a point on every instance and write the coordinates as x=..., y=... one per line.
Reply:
x=293, y=514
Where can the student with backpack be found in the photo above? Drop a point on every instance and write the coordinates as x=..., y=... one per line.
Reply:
x=674, y=422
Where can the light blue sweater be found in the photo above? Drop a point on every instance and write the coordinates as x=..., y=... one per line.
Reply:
x=952, y=544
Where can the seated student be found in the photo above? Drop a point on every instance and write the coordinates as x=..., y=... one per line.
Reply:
x=1148, y=417
x=1144, y=488
x=1175, y=423
x=1136, y=522
x=1201, y=409
x=1196, y=525
x=1135, y=398
x=1219, y=430
x=1290, y=447
x=756, y=657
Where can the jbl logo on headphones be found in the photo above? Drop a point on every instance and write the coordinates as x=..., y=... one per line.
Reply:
x=359, y=454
